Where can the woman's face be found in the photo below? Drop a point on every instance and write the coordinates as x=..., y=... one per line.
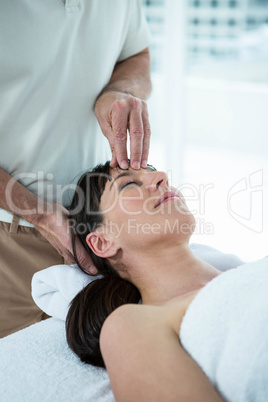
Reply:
x=140, y=209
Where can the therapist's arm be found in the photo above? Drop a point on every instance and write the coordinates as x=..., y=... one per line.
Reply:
x=50, y=219
x=121, y=106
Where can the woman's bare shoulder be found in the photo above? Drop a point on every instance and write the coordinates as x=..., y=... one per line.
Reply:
x=142, y=354
x=168, y=315
x=130, y=321
x=133, y=313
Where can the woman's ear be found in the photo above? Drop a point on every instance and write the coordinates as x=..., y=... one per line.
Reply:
x=100, y=245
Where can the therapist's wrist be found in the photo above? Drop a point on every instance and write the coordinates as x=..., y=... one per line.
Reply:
x=50, y=216
x=111, y=92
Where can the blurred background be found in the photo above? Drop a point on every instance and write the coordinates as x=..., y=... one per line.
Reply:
x=209, y=115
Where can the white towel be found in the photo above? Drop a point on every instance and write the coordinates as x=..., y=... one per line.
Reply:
x=53, y=288
x=225, y=329
x=37, y=366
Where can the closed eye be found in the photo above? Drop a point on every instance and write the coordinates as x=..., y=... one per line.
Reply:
x=129, y=183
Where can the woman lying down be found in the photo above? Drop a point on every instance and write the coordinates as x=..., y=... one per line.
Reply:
x=198, y=334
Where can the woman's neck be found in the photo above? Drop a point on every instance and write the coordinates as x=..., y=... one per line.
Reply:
x=170, y=273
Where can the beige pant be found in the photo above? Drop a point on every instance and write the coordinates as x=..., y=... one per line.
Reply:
x=23, y=251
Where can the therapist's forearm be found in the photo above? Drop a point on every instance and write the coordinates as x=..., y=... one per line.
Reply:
x=132, y=76
x=50, y=219
x=16, y=198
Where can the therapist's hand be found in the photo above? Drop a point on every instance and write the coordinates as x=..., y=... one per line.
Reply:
x=53, y=225
x=118, y=112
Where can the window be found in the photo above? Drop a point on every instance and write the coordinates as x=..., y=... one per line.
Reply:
x=214, y=3
x=231, y=22
x=232, y=4
x=213, y=21
x=216, y=131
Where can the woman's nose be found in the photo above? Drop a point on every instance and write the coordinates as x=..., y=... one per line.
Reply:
x=159, y=180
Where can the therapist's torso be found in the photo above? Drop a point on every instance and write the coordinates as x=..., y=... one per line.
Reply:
x=56, y=56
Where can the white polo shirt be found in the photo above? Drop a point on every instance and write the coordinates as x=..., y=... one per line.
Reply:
x=56, y=57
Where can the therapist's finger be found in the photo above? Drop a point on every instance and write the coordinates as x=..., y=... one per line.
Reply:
x=119, y=127
x=113, y=162
x=108, y=132
x=136, y=134
x=146, y=137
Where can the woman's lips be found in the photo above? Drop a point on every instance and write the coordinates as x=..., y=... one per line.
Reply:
x=168, y=195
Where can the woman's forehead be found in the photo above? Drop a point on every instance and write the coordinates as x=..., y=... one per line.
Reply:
x=114, y=172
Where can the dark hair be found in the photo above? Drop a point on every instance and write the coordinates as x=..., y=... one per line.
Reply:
x=89, y=309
